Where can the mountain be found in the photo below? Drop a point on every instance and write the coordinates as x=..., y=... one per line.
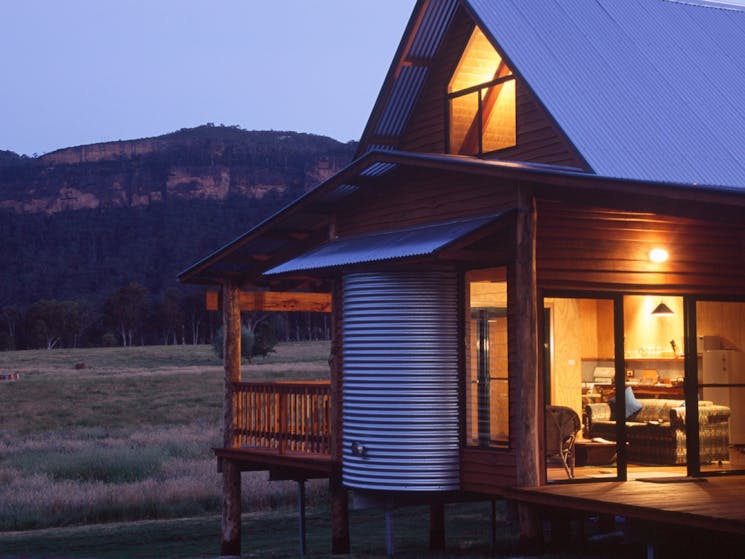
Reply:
x=81, y=222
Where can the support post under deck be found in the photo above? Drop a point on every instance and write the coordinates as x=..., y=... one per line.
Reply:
x=231, y=472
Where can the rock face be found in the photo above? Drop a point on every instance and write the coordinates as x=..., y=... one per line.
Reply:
x=204, y=163
x=82, y=222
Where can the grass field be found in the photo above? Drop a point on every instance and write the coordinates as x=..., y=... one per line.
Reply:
x=126, y=437
x=113, y=460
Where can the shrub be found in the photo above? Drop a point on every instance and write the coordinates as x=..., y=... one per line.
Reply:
x=247, y=342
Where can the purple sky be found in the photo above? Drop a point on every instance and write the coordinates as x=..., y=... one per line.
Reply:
x=84, y=71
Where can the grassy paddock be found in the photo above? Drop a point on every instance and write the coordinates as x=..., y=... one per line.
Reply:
x=127, y=437
x=269, y=534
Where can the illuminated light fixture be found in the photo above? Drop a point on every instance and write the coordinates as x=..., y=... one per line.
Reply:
x=662, y=310
x=658, y=255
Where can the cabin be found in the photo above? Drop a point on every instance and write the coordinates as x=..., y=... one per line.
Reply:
x=535, y=268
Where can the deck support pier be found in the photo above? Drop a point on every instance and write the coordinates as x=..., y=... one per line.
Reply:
x=301, y=515
x=340, y=544
x=437, y=527
x=231, y=509
x=390, y=543
x=231, y=471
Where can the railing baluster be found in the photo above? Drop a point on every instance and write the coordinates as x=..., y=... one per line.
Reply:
x=284, y=416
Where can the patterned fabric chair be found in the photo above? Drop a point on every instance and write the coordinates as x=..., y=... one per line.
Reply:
x=562, y=426
x=656, y=433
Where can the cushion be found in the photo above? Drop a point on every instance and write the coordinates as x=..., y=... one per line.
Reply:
x=632, y=404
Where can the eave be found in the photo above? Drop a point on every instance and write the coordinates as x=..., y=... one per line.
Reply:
x=308, y=221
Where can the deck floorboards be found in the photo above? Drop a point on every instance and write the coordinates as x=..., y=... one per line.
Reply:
x=711, y=503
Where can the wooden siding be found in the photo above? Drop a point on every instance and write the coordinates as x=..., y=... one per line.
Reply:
x=582, y=248
x=487, y=471
x=412, y=197
x=538, y=138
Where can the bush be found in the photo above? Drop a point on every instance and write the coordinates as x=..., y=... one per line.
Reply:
x=247, y=342
x=261, y=342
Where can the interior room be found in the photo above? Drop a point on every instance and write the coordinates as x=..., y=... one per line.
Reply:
x=580, y=369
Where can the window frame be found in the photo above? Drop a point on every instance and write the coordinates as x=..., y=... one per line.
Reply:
x=478, y=88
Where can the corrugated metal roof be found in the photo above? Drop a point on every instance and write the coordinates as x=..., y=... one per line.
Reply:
x=401, y=102
x=390, y=245
x=430, y=32
x=644, y=89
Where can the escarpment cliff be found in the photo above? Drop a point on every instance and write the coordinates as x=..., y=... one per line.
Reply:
x=81, y=222
x=204, y=163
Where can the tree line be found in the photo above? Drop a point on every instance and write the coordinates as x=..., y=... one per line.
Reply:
x=132, y=315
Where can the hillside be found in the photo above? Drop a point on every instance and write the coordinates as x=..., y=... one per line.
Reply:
x=83, y=221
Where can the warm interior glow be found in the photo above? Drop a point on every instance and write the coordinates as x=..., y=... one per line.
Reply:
x=482, y=120
x=658, y=255
x=480, y=63
x=500, y=130
x=649, y=335
x=463, y=113
x=487, y=386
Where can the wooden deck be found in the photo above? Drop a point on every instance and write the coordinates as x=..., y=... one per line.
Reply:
x=285, y=465
x=713, y=504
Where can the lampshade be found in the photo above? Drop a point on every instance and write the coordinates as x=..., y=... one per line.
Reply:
x=662, y=310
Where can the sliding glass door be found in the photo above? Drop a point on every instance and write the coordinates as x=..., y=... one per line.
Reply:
x=720, y=360
x=579, y=365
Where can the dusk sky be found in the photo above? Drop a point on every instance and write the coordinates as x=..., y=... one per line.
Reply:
x=85, y=71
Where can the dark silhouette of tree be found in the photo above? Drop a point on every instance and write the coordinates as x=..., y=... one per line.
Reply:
x=51, y=323
x=169, y=315
x=126, y=311
x=10, y=318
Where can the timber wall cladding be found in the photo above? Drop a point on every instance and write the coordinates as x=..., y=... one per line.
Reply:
x=417, y=196
x=538, y=138
x=604, y=249
x=487, y=471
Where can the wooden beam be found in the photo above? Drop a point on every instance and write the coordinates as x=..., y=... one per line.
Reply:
x=276, y=301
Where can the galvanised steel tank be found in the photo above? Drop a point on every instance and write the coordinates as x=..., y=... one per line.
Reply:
x=400, y=357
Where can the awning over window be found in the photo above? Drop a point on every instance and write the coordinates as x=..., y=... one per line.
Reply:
x=425, y=240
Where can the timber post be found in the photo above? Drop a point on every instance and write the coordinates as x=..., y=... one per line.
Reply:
x=437, y=527
x=340, y=543
x=231, y=498
x=528, y=416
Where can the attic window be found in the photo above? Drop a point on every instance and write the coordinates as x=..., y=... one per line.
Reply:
x=481, y=100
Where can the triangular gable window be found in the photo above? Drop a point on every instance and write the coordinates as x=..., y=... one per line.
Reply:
x=481, y=100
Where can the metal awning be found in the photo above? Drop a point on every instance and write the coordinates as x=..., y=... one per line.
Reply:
x=420, y=241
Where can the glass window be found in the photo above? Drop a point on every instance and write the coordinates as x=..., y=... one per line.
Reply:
x=720, y=346
x=487, y=386
x=481, y=100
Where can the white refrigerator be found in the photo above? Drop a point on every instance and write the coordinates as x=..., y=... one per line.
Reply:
x=726, y=366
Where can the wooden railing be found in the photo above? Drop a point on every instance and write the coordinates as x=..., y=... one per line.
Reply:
x=283, y=416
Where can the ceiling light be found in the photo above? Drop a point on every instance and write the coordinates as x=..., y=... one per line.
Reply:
x=662, y=310
x=658, y=255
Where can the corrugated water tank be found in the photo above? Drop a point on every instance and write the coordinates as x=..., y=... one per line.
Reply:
x=400, y=412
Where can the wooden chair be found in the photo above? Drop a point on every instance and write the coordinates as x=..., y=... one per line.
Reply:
x=562, y=426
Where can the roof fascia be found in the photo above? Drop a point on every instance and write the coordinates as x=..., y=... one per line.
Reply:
x=564, y=176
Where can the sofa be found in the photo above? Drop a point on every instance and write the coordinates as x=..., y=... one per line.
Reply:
x=655, y=430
